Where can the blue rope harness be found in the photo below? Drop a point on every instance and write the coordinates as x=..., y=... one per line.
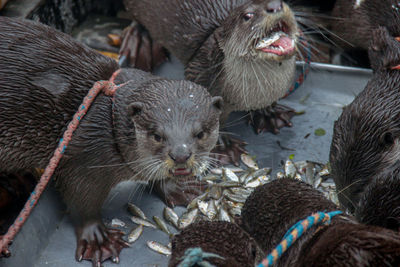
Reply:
x=196, y=256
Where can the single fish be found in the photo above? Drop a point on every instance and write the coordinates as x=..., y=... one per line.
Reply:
x=136, y=211
x=157, y=247
x=193, y=203
x=267, y=41
x=249, y=161
x=255, y=174
x=171, y=217
x=212, y=210
x=188, y=218
x=245, y=192
x=229, y=175
x=325, y=171
x=162, y=225
x=215, y=192
x=317, y=181
x=280, y=175
x=234, y=197
x=290, y=169
x=203, y=206
x=223, y=215
x=117, y=223
x=258, y=181
x=143, y=222
x=135, y=234
x=216, y=171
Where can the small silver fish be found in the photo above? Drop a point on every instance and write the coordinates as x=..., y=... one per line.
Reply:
x=211, y=177
x=215, y=192
x=236, y=169
x=216, y=171
x=325, y=171
x=203, y=206
x=157, y=247
x=301, y=166
x=135, y=234
x=223, y=215
x=268, y=40
x=298, y=177
x=249, y=161
x=171, y=216
x=143, y=222
x=228, y=184
x=333, y=197
x=310, y=173
x=280, y=175
x=193, y=203
x=255, y=174
x=117, y=223
x=136, y=211
x=229, y=175
x=245, y=192
x=162, y=225
x=212, y=210
x=290, y=169
x=188, y=218
x=234, y=197
x=317, y=181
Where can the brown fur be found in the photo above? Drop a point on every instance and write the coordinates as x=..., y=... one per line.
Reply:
x=222, y=238
x=44, y=76
x=273, y=208
x=365, y=137
x=216, y=46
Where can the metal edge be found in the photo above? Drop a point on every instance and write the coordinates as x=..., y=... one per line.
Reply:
x=332, y=67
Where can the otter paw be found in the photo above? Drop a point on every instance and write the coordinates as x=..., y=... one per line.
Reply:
x=138, y=51
x=228, y=150
x=272, y=118
x=97, y=244
x=179, y=192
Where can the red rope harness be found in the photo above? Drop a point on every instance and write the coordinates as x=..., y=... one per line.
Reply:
x=106, y=87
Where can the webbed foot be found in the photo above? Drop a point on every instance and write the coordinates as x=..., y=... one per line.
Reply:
x=272, y=118
x=179, y=192
x=138, y=51
x=97, y=243
x=228, y=150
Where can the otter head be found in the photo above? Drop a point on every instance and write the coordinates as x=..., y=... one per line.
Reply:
x=175, y=125
x=366, y=137
x=261, y=29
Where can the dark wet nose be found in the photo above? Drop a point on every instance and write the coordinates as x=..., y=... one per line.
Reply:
x=274, y=6
x=180, y=157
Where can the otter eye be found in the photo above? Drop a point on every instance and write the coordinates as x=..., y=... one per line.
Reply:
x=248, y=16
x=200, y=135
x=388, y=138
x=157, y=137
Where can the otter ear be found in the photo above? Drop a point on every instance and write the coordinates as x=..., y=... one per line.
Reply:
x=218, y=102
x=384, y=50
x=135, y=109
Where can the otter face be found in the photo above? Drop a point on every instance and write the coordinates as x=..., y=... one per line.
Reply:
x=366, y=137
x=176, y=125
x=264, y=29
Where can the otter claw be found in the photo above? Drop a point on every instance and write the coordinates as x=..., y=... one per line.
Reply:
x=228, y=150
x=272, y=118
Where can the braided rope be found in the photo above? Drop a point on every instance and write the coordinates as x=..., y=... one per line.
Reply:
x=306, y=67
x=195, y=256
x=108, y=88
x=295, y=232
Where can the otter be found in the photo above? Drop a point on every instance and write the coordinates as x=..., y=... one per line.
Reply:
x=273, y=208
x=242, y=50
x=353, y=21
x=225, y=239
x=151, y=129
x=365, y=139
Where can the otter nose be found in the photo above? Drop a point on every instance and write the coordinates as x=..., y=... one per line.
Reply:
x=180, y=157
x=274, y=6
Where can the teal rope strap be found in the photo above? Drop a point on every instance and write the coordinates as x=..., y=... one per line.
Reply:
x=295, y=232
x=196, y=256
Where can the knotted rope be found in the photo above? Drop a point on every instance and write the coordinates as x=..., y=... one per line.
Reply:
x=195, y=256
x=295, y=232
x=106, y=87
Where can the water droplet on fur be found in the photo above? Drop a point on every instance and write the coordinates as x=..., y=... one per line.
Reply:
x=169, y=109
x=191, y=96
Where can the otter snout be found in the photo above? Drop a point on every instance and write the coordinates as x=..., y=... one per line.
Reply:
x=181, y=154
x=274, y=6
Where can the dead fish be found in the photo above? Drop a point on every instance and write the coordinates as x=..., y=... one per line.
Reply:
x=249, y=161
x=215, y=192
x=143, y=222
x=333, y=197
x=211, y=178
x=157, y=247
x=317, y=181
x=117, y=223
x=240, y=191
x=171, y=217
x=280, y=175
x=228, y=184
x=298, y=177
x=135, y=234
x=229, y=175
x=258, y=181
x=255, y=174
x=136, y=211
x=187, y=218
x=216, y=171
x=202, y=206
x=223, y=215
x=301, y=166
x=162, y=225
x=290, y=169
x=211, y=210
x=234, y=197
x=269, y=40
x=325, y=171
x=310, y=173
x=193, y=203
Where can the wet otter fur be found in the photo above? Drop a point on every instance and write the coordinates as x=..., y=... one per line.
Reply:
x=217, y=42
x=222, y=238
x=273, y=208
x=365, y=139
x=353, y=21
x=151, y=129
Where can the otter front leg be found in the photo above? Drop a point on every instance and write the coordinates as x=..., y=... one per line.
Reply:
x=97, y=243
x=229, y=149
x=179, y=192
x=272, y=118
x=138, y=51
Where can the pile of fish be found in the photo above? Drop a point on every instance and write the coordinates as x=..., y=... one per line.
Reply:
x=226, y=194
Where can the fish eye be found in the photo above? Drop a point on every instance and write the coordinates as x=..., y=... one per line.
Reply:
x=248, y=16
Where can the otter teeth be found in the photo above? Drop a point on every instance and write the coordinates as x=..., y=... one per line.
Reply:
x=267, y=41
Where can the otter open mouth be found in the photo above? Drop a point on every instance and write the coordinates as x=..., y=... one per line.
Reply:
x=181, y=172
x=278, y=41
